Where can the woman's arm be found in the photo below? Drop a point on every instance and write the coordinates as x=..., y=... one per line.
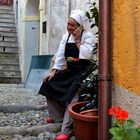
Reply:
x=86, y=45
x=60, y=59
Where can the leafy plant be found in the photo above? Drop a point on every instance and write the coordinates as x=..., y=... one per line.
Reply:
x=90, y=83
x=92, y=14
x=122, y=128
x=90, y=87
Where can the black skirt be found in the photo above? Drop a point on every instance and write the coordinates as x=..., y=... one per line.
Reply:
x=64, y=85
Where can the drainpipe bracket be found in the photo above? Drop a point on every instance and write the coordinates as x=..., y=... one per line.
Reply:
x=105, y=77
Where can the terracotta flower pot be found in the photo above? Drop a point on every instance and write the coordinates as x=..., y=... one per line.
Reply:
x=85, y=125
x=90, y=112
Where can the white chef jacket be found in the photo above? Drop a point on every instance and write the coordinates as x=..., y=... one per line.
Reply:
x=85, y=52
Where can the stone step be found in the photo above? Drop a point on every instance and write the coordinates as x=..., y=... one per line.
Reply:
x=9, y=34
x=10, y=16
x=20, y=91
x=9, y=60
x=7, y=73
x=5, y=7
x=9, y=67
x=8, y=39
x=10, y=80
x=3, y=11
x=8, y=55
x=7, y=29
x=6, y=44
x=19, y=108
x=8, y=49
x=7, y=24
x=5, y=20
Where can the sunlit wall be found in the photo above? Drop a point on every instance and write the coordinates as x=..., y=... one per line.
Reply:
x=126, y=44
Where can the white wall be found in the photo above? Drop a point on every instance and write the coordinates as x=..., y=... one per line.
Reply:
x=28, y=15
x=31, y=34
x=58, y=15
x=27, y=19
x=18, y=12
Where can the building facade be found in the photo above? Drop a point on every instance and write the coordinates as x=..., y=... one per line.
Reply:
x=126, y=55
x=41, y=23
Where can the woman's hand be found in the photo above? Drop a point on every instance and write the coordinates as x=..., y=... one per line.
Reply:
x=76, y=34
x=49, y=76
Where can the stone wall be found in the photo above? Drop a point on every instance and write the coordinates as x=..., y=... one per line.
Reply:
x=128, y=101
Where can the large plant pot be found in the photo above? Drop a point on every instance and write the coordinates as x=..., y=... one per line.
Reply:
x=85, y=125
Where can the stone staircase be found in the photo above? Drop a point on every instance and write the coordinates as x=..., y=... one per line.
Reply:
x=9, y=52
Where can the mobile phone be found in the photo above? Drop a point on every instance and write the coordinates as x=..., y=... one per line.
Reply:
x=80, y=28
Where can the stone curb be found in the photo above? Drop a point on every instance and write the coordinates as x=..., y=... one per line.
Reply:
x=35, y=130
x=20, y=108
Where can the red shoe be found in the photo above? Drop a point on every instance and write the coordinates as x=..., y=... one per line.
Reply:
x=62, y=136
x=49, y=120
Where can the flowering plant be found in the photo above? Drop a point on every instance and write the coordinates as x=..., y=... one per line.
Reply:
x=122, y=127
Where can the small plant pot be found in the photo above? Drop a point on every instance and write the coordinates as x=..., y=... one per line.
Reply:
x=85, y=124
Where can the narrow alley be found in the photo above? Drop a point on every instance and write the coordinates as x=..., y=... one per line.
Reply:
x=22, y=115
x=102, y=67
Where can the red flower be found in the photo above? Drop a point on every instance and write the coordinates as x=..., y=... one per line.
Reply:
x=119, y=114
x=123, y=115
x=112, y=110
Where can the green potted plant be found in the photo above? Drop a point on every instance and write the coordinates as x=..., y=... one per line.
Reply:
x=90, y=83
x=85, y=112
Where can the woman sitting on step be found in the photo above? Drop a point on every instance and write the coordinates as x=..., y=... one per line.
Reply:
x=60, y=86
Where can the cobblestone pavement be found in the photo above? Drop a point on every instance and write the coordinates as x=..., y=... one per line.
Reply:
x=22, y=115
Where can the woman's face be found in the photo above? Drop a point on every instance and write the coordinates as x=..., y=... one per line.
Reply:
x=71, y=25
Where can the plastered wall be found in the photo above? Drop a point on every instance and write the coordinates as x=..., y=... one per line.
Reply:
x=126, y=44
x=126, y=56
x=58, y=11
x=57, y=15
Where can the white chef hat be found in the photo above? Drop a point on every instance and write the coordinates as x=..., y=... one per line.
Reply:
x=80, y=17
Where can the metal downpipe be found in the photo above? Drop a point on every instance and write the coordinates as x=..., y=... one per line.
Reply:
x=104, y=68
